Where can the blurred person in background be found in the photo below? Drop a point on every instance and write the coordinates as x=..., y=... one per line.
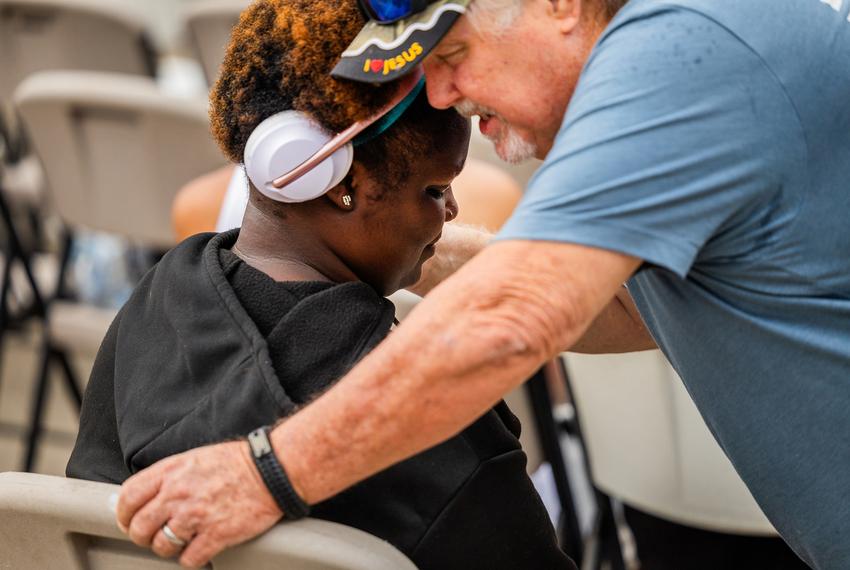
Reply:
x=232, y=331
x=697, y=149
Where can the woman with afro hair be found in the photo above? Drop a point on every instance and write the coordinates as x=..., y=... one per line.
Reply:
x=237, y=330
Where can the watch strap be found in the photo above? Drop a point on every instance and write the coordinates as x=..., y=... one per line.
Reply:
x=274, y=476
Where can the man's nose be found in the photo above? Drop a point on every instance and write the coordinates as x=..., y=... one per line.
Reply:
x=442, y=92
x=452, y=208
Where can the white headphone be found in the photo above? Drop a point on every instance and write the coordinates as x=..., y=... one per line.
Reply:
x=283, y=142
x=289, y=158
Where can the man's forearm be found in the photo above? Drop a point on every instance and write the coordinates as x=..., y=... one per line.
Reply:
x=459, y=244
x=459, y=352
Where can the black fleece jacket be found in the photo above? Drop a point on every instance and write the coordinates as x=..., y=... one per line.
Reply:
x=208, y=348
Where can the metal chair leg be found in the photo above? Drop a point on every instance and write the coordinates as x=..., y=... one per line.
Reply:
x=4, y=299
x=49, y=352
x=541, y=402
x=603, y=544
x=38, y=405
x=71, y=381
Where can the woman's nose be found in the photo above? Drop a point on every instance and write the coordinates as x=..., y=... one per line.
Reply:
x=451, y=205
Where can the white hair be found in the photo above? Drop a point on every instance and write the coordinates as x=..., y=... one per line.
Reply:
x=493, y=16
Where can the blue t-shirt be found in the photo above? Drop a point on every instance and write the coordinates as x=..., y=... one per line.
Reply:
x=711, y=138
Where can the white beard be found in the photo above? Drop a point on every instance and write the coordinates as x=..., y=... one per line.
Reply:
x=512, y=148
x=509, y=144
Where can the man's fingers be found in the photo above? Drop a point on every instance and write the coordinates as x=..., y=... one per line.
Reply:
x=147, y=522
x=200, y=551
x=136, y=492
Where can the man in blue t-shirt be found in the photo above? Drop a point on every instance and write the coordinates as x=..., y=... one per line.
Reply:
x=698, y=150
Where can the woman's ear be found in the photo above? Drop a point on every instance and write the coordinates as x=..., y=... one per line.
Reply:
x=344, y=195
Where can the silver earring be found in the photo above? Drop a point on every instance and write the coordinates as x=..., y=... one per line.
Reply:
x=346, y=200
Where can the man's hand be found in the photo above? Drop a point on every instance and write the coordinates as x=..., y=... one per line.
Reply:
x=212, y=497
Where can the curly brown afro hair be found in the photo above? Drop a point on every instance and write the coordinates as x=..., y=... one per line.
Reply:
x=280, y=57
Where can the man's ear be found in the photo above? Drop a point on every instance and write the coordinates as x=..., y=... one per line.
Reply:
x=567, y=13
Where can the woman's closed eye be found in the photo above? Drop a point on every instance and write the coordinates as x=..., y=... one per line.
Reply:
x=438, y=192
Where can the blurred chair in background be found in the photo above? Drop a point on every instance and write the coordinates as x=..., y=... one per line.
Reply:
x=207, y=25
x=649, y=448
x=115, y=151
x=36, y=35
x=96, y=35
x=66, y=524
x=40, y=35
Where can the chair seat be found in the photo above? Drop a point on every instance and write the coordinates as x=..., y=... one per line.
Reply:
x=77, y=327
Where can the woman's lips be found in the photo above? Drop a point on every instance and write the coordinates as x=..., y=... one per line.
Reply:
x=431, y=248
x=428, y=253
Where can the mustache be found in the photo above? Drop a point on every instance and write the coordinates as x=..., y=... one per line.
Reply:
x=469, y=109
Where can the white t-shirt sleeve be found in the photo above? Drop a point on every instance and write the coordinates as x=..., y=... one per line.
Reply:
x=234, y=203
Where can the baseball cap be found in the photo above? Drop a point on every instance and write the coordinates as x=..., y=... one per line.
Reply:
x=384, y=52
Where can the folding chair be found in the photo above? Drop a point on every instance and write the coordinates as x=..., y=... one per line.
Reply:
x=36, y=35
x=207, y=25
x=96, y=35
x=39, y=35
x=115, y=151
x=66, y=524
x=649, y=448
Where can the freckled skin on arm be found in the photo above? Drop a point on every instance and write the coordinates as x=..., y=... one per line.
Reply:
x=472, y=340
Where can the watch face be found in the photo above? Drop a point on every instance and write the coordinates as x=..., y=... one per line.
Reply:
x=259, y=442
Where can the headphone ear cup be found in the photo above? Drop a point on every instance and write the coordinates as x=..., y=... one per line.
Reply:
x=280, y=144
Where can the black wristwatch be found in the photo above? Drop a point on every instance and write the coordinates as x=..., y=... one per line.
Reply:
x=274, y=476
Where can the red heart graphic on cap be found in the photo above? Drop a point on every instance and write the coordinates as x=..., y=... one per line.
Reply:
x=377, y=65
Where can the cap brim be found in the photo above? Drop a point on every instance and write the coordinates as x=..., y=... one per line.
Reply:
x=385, y=52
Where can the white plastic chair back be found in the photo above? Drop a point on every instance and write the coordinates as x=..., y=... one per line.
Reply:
x=115, y=149
x=208, y=25
x=65, y=524
x=649, y=447
x=96, y=35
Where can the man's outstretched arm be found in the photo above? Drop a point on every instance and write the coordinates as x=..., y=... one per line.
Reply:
x=475, y=337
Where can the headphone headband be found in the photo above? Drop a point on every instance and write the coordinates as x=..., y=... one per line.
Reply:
x=406, y=85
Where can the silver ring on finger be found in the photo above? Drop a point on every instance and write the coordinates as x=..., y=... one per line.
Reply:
x=173, y=538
